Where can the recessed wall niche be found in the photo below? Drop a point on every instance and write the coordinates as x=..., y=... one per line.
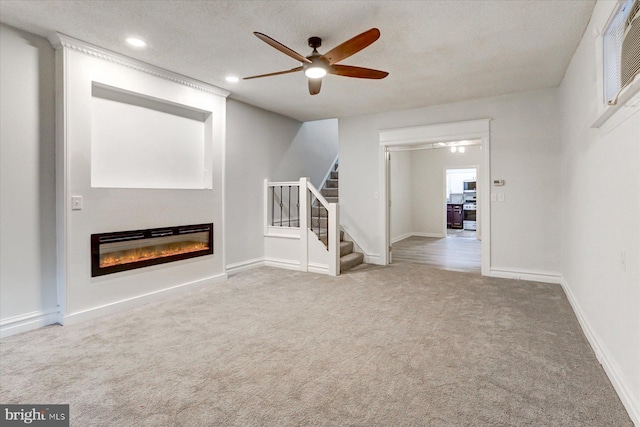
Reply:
x=138, y=141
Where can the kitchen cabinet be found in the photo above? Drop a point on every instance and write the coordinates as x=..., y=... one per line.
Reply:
x=454, y=215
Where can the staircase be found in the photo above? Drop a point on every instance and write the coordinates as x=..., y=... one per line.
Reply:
x=348, y=258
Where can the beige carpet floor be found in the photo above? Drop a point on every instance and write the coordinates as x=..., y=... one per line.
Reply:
x=404, y=345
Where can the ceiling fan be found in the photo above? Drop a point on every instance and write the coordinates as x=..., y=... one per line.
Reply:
x=316, y=66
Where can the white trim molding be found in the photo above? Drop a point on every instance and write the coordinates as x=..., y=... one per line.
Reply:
x=59, y=40
x=524, y=274
x=415, y=233
x=138, y=300
x=415, y=138
x=28, y=322
x=314, y=267
x=631, y=404
x=239, y=267
x=283, y=263
x=442, y=132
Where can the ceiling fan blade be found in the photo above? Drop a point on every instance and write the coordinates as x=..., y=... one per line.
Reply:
x=314, y=86
x=293, y=70
x=282, y=48
x=352, y=46
x=358, y=72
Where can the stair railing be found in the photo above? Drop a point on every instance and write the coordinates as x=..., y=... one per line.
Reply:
x=284, y=204
x=325, y=224
x=298, y=206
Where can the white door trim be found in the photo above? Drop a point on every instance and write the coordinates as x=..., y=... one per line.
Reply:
x=418, y=137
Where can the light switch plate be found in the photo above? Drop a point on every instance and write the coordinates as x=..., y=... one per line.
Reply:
x=76, y=203
x=501, y=197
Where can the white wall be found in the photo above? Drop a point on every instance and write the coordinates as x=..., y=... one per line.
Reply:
x=401, y=195
x=262, y=144
x=27, y=180
x=168, y=153
x=257, y=140
x=600, y=205
x=524, y=151
x=311, y=153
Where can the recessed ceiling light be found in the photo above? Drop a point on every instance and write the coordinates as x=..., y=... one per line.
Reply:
x=136, y=42
x=232, y=79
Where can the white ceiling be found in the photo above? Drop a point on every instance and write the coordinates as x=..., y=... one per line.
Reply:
x=435, y=51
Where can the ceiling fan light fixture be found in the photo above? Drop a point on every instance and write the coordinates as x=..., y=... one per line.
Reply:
x=315, y=72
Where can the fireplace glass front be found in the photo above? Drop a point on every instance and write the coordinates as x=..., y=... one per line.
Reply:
x=127, y=250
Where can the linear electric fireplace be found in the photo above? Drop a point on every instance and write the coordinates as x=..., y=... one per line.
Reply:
x=127, y=250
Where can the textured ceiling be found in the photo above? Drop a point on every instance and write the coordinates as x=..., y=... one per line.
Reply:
x=435, y=51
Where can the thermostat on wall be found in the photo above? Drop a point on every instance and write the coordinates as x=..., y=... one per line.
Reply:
x=498, y=182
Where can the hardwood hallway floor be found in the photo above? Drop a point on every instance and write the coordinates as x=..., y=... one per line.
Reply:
x=447, y=253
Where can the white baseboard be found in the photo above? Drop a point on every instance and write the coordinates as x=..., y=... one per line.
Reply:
x=373, y=259
x=317, y=268
x=529, y=275
x=28, y=322
x=400, y=237
x=282, y=263
x=631, y=404
x=139, y=300
x=244, y=265
x=415, y=233
x=419, y=234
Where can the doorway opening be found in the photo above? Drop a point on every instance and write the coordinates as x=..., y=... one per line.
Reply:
x=432, y=193
x=446, y=138
x=461, y=202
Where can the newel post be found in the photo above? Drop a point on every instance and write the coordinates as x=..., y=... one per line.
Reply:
x=305, y=202
x=266, y=206
x=334, y=239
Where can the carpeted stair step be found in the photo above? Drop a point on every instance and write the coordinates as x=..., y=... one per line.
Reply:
x=345, y=248
x=330, y=199
x=331, y=183
x=318, y=211
x=334, y=175
x=319, y=223
x=329, y=192
x=323, y=236
x=351, y=260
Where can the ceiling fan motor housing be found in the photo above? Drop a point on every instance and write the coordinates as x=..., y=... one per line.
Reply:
x=315, y=42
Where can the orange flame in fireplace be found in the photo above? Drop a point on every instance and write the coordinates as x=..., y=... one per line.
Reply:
x=151, y=252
